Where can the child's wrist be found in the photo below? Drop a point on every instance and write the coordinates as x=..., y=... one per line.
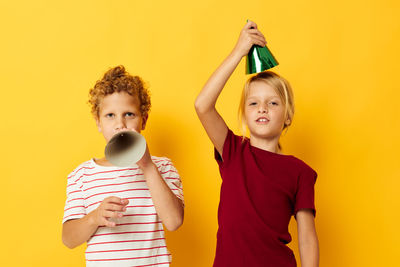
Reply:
x=236, y=55
x=91, y=220
x=148, y=167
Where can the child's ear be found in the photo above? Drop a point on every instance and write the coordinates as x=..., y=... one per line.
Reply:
x=288, y=121
x=98, y=124
x=144, y=121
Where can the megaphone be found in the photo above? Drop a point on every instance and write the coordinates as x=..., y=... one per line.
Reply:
x=259, y=59
x=125, y=148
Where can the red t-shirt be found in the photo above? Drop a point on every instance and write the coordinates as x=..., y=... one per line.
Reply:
x=260, y=192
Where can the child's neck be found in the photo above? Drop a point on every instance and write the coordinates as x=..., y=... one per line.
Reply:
x=270, y=145
x=102, y=162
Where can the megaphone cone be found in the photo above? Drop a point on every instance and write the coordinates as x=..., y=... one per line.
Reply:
x=125, y=148
x=259, y=59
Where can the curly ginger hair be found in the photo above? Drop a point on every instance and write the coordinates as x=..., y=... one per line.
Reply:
x=117, y=80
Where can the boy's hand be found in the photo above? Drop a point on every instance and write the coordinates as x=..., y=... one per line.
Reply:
x=249, y=36
x=110, y=207
x=145, y=161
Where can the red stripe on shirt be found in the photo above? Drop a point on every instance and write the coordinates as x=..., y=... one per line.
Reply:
x=144, y=214
x=90, y=174
x=121, y=224
x=164, y=165
x=74, y=207
x=147, y=265
x=177, y=186
x=135, y=189
x=121, y=250
x=74, y=215
x=124, y=259
x=84, y=167
x=125, y=241
x=110, y=178
x=140, y=206
x=110, y=171
x=94, y=203
x=78, y=198
x=131, y=182
x=76, y=191
x=171, y=178
x=160, y=160
x=71, y=185
x=137, y=198
x=168, y=172
x=133, y=232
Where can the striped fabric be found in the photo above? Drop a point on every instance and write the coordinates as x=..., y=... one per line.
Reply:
x=138, y=238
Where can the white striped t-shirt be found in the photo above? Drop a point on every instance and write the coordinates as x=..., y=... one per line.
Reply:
x=138, y=237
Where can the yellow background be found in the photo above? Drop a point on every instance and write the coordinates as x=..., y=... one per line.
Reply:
x=341, y=57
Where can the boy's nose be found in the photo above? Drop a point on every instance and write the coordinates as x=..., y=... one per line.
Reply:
x=120, y=124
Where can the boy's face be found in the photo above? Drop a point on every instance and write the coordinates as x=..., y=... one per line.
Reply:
x=119, y=112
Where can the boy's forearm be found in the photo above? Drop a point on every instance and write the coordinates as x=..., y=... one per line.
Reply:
x=168, y=207
x=78, y=231
x=213, y=87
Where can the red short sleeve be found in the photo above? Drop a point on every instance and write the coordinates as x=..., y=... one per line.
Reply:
x=305, y=191
x=231, y=145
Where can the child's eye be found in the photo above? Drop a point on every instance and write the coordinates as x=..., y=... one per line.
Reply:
x=252, y=103
x=130, y=114
x=273, y=103
x=109, y=115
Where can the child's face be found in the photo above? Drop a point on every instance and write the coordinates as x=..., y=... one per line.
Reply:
x=119, y=112
x=264, y=111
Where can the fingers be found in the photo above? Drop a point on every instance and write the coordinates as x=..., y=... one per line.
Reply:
x=256, y=37
x=252, y=39
x=116, y=200
x=145, y=160
x=250, y=25
x=111, y=207
x=256, y=32
x=111, y=214
x=257, y=40
x=124, y=201
x=114, y=207
x=249, y=36
x=106, y=215
x=108, y=223
x=114, y=204
x=253, y=35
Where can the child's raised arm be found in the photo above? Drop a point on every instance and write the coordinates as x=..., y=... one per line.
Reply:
x=212, y=121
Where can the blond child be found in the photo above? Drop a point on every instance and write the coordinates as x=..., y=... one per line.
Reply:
x=261, y=187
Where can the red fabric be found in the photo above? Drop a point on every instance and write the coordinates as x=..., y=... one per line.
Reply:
x=260, y=192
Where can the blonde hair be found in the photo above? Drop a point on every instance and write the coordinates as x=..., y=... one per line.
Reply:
x=282, y=88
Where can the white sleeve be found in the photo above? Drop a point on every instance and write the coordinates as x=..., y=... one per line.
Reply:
x=172, y=178
x=74, y=205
